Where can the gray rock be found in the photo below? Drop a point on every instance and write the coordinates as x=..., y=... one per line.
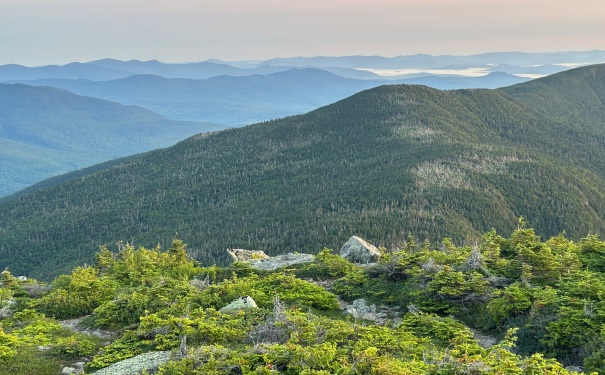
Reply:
x=357, y=250
x=135, y=365
x=360, y=310
x=240, y=304
x=257, y=259
x=5, y=311
x=484, y=341
x=279, y=261
x=74, y=324
x=243, y=255
x=380, y=315
x=76, y=368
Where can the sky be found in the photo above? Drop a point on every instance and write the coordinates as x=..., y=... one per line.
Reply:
x=40, y=32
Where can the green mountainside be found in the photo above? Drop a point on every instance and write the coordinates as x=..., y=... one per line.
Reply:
x=46, y=131
x=384, y=163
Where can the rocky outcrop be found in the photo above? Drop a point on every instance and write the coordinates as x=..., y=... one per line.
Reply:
x=135, y=365
x=484, y=341
x=76, y=368
x=360, y=310
x=242, y=303
x=357, y=250
x=6, y=308
x=380, y=315
x=279, y=261
x=74, y=324
x=257, y=259
x=243, y=255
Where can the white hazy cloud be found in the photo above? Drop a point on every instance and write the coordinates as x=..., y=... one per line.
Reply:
x=468, y=72
x=59, y=31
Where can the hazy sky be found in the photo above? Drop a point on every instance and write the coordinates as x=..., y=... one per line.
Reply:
x=37, y=32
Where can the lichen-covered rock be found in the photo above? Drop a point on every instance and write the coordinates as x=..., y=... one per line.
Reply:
x=6, y=308
x=279, y=261
x=243, y=255
x=359, y=307
x=257, y=259
x=380, y=315
x=135, y=365
x=74, y=324
x=357, y=250
x=240, y=304
x=360, y=310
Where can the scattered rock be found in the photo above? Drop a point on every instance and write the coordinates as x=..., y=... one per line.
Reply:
x=360, y=306
x=74, y=324
x=379, y=315
x=76, y=368
x=79, y=366
x=135, y=365
x=360, y=310
x=199, y=283
x=240, y=304
x=6, y=312
x=484, y=341
x=357, y=250
x=285, y=260
x=257, y=259
x=243, y=255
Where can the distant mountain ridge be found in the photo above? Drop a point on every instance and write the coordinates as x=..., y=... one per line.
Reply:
x=384, y=163
x=232, y=101
x=108, y=69
x=237, y=101
x=346, y=66
x=46, y=131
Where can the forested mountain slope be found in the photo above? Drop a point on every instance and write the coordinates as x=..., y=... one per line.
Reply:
x=384, y=163
x=46, y=131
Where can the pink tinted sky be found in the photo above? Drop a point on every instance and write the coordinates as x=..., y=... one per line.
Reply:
x=36, y=32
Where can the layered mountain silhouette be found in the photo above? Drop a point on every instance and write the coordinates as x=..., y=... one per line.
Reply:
x=384, y=163
x=346, y=66
x=233, y=101
x=241, y=100
x=46, y=131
